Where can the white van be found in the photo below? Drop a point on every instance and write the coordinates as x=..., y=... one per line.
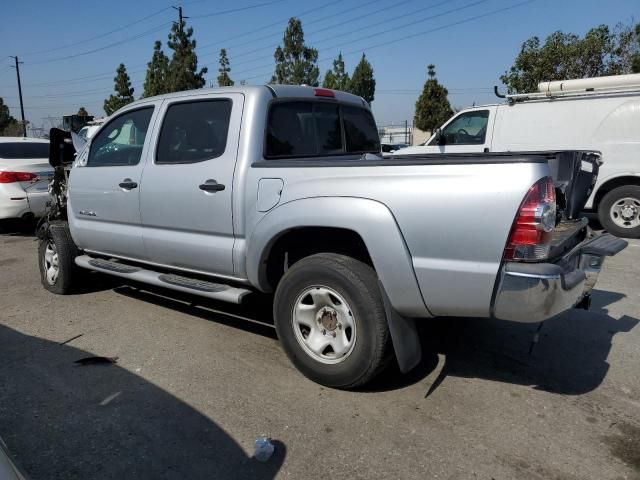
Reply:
x=601, y=114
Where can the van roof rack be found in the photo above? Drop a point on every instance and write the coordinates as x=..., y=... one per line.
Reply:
x=580, y=87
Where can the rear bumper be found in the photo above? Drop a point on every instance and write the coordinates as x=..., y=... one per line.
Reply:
x=533, y=292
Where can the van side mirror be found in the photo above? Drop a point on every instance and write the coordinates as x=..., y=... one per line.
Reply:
x=440, y=139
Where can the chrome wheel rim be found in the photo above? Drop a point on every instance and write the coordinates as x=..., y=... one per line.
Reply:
x=625, y=212
x=324, y=324
x=50, y=261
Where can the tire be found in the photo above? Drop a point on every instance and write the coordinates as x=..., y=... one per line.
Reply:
x=340, y=296
x=57, y=248
x=619, y=211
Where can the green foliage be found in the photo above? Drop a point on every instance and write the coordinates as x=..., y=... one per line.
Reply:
x=124, y=91
x=567, y=56
x=157, y=77
x=82, y=112
x=338, y=78
x=14, y=129
x=433, y=107
x=295, y=62
x=635, y=57
x=183, y=67
x=224, y=80
x=362, y=82
x=6, y=120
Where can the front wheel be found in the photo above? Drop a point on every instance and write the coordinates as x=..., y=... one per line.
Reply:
x=56, y=255
x=330, y=319
x=619, y=211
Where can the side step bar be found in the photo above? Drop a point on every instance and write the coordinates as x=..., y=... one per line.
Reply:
x=215, y=291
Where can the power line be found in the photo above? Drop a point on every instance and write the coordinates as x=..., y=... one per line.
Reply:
x=393, y=29
x=235, y=10
x=99, y=49
x=321, y=19
x=102, y=35
x=418, y=34
x=279, y=22
x=105, y=75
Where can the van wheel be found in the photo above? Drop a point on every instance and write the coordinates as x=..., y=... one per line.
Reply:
x=330, y=319
x=619, y=211
x=56, y=255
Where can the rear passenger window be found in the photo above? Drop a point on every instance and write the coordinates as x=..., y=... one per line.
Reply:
x=309, y=129
x=194, y=131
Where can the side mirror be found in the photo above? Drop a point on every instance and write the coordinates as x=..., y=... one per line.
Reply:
x=440, y=139
x=61, y=151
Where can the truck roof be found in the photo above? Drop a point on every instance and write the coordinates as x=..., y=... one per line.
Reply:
x=278, y=91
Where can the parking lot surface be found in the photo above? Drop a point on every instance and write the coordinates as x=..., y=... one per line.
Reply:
x=196, y=382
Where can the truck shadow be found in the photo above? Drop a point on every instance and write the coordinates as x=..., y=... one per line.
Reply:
x=18, y=227
x=100, y=421
x=570, y=357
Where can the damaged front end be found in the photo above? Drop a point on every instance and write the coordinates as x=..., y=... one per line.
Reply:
x=61, y=157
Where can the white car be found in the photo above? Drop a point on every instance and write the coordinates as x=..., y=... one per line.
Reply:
x=601, y=114
x=24, y=177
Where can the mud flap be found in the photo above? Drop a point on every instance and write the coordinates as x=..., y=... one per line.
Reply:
x=404, y=336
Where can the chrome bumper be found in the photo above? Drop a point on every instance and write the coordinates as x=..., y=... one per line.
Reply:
x=533, y=292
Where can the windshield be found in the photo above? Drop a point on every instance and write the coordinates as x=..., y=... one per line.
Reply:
x=24, y=150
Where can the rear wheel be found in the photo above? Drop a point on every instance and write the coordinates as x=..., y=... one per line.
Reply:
x=331, y=321
x=56, y=254
x=619, y=211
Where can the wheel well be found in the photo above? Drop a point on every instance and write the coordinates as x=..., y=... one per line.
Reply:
x=611, y=184
x=299, y=243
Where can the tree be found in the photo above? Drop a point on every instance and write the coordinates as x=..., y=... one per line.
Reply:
x=123, y=89
x=157, y=77
x=82, y=112
x=14, y=129
x=635, y=58
x=183, y=67
x=567, y=56
x=295, y=62
x=338, y=78
x=362, y=82
x=224, y=80
x=6, y=120
x=433, y=107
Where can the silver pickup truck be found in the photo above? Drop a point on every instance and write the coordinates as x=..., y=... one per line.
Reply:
x=283, y=189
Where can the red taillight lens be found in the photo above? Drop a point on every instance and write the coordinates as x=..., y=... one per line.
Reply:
x=12, y=177
x=536, y=218
x=324, y=92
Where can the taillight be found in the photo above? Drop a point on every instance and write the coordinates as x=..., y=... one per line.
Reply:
x=530, y=235
x=12, y=177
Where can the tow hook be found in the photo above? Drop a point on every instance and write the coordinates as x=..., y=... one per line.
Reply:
x=585, y=303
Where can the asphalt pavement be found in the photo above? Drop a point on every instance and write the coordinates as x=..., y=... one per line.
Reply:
x=196, y=382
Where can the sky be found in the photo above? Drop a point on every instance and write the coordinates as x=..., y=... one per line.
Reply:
x=71, y=49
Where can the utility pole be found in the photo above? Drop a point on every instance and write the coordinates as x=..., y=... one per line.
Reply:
x=24, y=124
x=180, y=17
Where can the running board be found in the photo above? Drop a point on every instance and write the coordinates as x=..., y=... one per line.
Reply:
x=203, y=288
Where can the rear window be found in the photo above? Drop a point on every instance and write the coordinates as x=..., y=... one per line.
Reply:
x=24, y=150
x=311, y=129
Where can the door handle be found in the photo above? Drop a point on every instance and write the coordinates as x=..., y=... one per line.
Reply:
x=128, y=184
x=211, y=186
